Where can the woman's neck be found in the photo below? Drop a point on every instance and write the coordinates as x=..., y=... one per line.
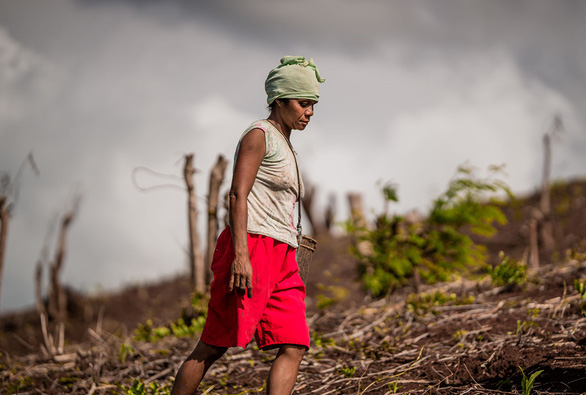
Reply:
x=279, y=124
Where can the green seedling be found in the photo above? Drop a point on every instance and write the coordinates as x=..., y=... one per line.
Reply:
x=125, y=351
x=527, y=383
x=348, y=371
x=394, y=387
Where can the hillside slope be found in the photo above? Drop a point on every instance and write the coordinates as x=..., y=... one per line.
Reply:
x=466, y=336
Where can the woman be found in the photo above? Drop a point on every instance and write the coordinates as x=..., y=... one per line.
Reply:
x=257, y=290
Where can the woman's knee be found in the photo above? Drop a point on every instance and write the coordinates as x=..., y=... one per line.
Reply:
x=206, y=353
x=292, y=351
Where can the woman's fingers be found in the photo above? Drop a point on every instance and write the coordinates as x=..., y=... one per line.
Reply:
x=249, y=286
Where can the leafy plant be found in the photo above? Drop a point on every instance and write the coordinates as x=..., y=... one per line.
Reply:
x=524, y=327
x=148, y=332
x=140, y=388
x=435, y=247
x=460, y=334
x=527, y=383
x=125, y=351
x=509, y=272
x=348, y=371
x=320, y=341
x=580, y=287
x=423, y=303
x=394, y=387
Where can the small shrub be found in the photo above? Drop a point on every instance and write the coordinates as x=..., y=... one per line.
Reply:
x=509, y=272
x=437, y=246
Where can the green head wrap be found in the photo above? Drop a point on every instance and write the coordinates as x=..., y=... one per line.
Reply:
x=294, y=78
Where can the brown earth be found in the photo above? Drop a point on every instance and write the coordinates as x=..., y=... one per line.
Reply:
x=359, y=345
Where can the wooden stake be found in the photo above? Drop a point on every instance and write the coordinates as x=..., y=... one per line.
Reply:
x=195, y=256
x=216, y=178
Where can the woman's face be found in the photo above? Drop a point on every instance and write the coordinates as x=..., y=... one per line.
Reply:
x=297, y=112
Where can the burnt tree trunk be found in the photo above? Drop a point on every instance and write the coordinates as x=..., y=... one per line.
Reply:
x=4, y=222
x=195, y=256
x=216, y=179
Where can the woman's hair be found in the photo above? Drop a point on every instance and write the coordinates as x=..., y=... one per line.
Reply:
x=272, y=105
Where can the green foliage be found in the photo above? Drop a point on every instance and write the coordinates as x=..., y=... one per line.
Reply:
x=320, y=341
x=423, y=303
x=394, y=387
x=140, y=388
x=179, y=328
x=460, y=334
x=337, y=294
x=125, y=351
x=510, y=271
x=199, y=302
x=149, y=333
x=436, y=246
x=580, y=287
x=524, y=327
x=16, y=386
x=348, y=371
x=527, y=383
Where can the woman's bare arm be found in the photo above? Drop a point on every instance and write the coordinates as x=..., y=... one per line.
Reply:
x=250, y=155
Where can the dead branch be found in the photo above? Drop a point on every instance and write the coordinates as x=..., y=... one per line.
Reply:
x=57, y=296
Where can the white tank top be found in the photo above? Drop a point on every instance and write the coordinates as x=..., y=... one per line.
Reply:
x=271, y=201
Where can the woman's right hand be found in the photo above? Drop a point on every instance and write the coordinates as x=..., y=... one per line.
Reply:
x=241, y=276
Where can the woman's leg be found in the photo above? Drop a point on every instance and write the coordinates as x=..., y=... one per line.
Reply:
x=283, y=373
x=195, y=367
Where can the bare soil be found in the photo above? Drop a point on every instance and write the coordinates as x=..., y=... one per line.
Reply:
x=359, y=345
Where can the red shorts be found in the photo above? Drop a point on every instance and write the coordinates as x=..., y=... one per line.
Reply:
x=274, y=315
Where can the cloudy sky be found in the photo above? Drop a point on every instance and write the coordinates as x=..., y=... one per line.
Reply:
x=97, y=88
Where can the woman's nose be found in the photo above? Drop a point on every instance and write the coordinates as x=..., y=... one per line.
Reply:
x=309, y=110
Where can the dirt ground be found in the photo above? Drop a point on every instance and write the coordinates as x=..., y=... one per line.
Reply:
x=476, y=343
